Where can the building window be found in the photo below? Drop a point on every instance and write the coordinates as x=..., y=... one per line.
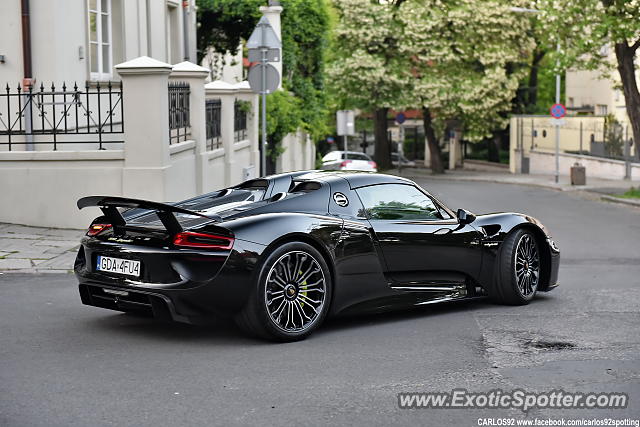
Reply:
x=602, y=110
x=100, y=54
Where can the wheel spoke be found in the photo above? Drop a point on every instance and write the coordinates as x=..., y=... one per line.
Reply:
x=308, y=300
x=274, y=299
x=278, y=281
x=527, y=265
x=304, y=278
x=287, y=294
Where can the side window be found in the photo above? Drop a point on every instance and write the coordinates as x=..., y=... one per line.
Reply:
x=397, y=201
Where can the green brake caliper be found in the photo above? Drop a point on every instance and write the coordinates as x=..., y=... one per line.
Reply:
x=303, y=292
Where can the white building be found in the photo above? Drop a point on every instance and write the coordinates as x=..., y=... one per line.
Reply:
x=588, y=92
x=82, y=40
x=161, y=132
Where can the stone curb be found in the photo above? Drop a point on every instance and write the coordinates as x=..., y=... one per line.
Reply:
x=621, y=200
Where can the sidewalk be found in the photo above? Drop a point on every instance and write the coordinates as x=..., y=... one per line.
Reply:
x=500, y=175
x=37, y=250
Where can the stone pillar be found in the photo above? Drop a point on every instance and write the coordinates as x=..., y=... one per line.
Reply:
x=195, y=75
x=272, y=13
x=146, y=127
x=253, y=120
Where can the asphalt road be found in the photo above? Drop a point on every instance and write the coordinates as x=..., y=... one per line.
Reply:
x=65, y=364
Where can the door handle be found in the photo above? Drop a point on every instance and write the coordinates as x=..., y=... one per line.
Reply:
x=390, y=239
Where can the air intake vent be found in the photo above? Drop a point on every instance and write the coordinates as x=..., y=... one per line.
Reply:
x=305, y=187
x=277, y=196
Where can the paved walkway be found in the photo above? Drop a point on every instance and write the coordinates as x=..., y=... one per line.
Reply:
x=35, y=249
x=604, y=186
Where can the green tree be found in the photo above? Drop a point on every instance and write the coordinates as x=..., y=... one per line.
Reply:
x=224, y=24
x=456, y=60
x=367, y=70
x=586, y=29
x=467, y=58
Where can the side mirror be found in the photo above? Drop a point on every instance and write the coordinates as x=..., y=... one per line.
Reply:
x=465, y=217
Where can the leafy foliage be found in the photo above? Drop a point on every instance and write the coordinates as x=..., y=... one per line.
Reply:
x=305, y=32
x=585, y=29
x=461, y=59
x=223, y=23
x=284, y=117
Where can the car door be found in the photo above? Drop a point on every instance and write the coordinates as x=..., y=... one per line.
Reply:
x=422, y=243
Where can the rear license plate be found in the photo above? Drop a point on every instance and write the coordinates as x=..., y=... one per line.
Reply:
x=127, y=267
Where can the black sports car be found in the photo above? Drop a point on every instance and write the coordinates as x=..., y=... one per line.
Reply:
x=281, y=253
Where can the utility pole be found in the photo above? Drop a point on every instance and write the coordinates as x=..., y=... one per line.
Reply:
x=264, y=47
x=557, y=173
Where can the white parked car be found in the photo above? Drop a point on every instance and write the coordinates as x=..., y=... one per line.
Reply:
x=348, y=161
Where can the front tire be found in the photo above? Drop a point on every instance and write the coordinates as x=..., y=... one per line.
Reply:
x=292, y=294
x=518, y=271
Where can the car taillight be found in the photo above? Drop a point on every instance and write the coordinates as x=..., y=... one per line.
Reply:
x=189, y=239
x=345, y=163
x=373, y=164
x=96, y=229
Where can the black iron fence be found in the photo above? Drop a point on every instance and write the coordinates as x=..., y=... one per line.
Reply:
x=240, y=121
x=213, y=111
x=58, y=116
x=179, y=113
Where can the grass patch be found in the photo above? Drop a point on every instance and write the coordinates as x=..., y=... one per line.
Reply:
x=632, y=193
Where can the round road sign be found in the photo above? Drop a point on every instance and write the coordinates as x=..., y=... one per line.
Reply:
x=558, y=111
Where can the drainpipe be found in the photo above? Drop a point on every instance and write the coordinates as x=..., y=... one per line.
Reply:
x=185, y=29
x=27, y=80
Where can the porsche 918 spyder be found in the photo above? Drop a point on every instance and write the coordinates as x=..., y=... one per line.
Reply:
x=280, y=254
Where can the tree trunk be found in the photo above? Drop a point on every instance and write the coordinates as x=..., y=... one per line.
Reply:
x=532, y=99
x=436, y=163
x=382, y=143
x=625, y=56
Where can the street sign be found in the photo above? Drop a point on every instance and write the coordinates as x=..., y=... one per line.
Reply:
x=264, y=46
x=272, y=78
x=400, y=118
x=346, y=123
x=558, y=111
x=264, y=36
x=273, y=55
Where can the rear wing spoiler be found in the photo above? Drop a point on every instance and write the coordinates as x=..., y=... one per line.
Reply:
x=110, y=204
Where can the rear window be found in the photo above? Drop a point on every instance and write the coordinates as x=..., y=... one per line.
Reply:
x=335, y=155
x=358, y=156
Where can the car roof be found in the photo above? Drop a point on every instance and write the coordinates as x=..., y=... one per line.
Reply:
x=354, y=178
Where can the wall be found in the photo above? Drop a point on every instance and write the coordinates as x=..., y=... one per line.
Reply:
x=299, y=153
x=542, y=162
x=539, y=133
x=59, y=32
x=41, y=188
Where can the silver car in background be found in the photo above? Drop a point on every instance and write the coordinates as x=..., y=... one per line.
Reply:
x=348, y=160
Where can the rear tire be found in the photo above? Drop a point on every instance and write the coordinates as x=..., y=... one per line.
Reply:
x=518, y=269
x=291, y=297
